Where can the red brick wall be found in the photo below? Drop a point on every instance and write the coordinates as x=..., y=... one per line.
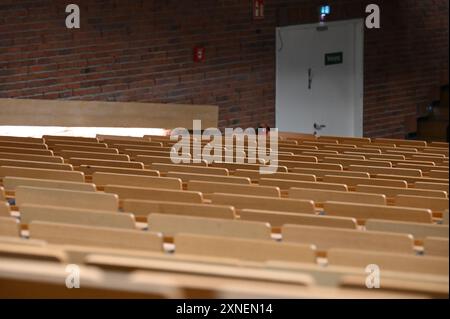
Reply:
x=141, y=50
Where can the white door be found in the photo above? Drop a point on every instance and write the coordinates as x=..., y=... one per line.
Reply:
x=319, y=78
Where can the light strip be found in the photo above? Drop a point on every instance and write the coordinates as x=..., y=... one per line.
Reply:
x=38, y=131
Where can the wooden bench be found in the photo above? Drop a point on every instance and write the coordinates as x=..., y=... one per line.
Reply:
x=265, y=203
x=286, y=184
x=320, y=173
x=66, y=198
x=77, y=161
x=436, y=246
x=353, y=181
x=278, y=219
x=52, y=142
x=438, y=174
x=245, y=249
x=9, y=227
x=32, y=158
x=418, y=230
x=362, y=212
x=394, y=191
x=40, y=173
x=432, y=186
x=164, y=168
x=28, y=151
x=102, y=179
x=59, y=148
x=38, y=146
x=67, y=234
x=388, y=261
x=348, y=162
x=325, y=238
x=317, y=166
x=90, y=217
x=95, y=155
x=214, y=187
x=146, y=207
x=128, y=192
x=31, y=164
x=171, y=225
x=256, y=176
x=186, y=177
x=434, y=203
x=321, y=196
x=386, y=170
x=90, y=170
x=11, y=183
x=150, y=160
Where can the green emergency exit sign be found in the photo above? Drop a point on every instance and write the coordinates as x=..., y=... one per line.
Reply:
x=334, y=58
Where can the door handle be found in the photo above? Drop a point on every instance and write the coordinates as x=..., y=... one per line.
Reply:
x=309, y=78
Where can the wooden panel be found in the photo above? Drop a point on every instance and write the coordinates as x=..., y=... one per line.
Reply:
x=11, y=183
x=127, y=192
x=21, y=139
x=89, y=217
x=363, y=212
x=266, y=203
x=212, y=187
x=66, y=234
x=189, y=169
x=353, y=181
x=66, y=198
x=104, y=114
x=326, y=238
x=445, y=217
x=90, y=170
x=394, y=191
x=389, y=261
x=254, y=250
x=321, y=196
x=433, y=203
x=186, y=177
x=278, y=219
x=418, y=230
x=76, y=161
x=286, y=184
x=102, y=179
x=171, y=225
x=146, y=207
x=9, y=226
x=69, y=176
x=32, y=158
x=386, y=170
x=31, y=164
x=436, y=246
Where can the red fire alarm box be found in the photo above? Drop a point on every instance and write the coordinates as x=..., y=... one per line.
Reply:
x=258, y=9
x=199, y=54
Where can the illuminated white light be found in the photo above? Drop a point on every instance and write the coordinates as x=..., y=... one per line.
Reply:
x=38, y=131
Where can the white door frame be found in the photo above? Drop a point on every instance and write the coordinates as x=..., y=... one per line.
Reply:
x=358, y=67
